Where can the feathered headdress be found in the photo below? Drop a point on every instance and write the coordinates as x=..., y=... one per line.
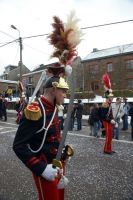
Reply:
x=65, y=38
x=107, y=85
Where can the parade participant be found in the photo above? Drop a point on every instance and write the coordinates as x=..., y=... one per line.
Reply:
x=20, y=106
x=38, y=137
x=30, y=135
x=107, y=115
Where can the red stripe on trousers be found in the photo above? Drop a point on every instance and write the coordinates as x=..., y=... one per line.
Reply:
x=48, y=190
x=108, y=140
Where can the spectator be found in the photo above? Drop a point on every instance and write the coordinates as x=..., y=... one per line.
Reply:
x=131, y=114
x=0, y=106
x=61, y=116
x=72, y=119
x=125, y=116
x=4, y=107
x=79, y=112
x=91, y=121
x=96, y=120
x=117, y=114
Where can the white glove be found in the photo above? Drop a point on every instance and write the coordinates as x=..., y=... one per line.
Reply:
x=112, y=121
x=63, y=182
x=50, y=173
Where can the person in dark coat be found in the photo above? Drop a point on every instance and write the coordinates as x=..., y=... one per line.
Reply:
x=79, y=113
x=38, y=137
x=131, y=114
x=0, y=106
x=96, y=120
x=72, y=118
x=4, y=108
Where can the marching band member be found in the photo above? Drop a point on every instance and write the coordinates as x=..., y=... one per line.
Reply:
x=38, y=136
x=107, y=115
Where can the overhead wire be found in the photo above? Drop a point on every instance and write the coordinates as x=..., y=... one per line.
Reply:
x=88, y=27
x=6, y=34
x=35, y=49
x=8, y=43
x=107, y=24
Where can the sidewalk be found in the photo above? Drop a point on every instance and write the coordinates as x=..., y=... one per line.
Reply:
x=124, y=135
x=12, y=111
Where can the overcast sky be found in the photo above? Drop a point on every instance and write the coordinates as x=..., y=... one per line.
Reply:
x=34, y=17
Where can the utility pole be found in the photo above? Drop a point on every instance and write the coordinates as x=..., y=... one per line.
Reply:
x=20, y=64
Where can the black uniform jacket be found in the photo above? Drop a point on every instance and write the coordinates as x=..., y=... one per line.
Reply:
x=105, y=112
x=27, y=134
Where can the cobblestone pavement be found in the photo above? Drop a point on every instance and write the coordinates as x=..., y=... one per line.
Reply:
x=92, y=175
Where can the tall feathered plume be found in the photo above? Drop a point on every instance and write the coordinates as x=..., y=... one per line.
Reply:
x=106, y=81
x=65, y=38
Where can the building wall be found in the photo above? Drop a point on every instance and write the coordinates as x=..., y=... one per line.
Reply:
x=31, y=80
x=15, y=73
x=120, y=76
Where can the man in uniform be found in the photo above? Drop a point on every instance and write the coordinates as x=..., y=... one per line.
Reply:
x=38, y=137
x=108, y=122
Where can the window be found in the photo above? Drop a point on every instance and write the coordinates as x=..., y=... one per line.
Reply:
x=129, y=64
x=30, y=80
x=109, y=67
x=130, y=83
x=94, y=69
x=94, y=86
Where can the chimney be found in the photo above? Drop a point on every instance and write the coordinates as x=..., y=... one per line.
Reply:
x=95, y=50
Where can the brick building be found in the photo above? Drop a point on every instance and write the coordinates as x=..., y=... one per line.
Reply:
x=117, y=61
x=12, y=72
x=30, y=80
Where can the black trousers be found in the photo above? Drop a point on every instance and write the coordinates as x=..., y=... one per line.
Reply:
x=4, y=113
x=132, y=132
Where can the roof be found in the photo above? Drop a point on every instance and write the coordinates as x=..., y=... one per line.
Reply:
x=31, y=73
x=97, y=99
x=42, y=66
x=109, y=52
x=8, y=81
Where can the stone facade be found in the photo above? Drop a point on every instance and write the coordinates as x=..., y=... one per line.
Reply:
x=30, y=80
x=120, y=70
x=13, y=72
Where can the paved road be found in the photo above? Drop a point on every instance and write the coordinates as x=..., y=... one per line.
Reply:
x=92, y=175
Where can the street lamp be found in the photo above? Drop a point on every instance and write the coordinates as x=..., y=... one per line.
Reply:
x=20, y=44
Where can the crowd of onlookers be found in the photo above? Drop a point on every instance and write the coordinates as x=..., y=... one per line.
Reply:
x=121, y=109
x=76, y=115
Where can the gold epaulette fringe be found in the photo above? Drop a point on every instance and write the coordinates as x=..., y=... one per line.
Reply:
x=33, y=112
